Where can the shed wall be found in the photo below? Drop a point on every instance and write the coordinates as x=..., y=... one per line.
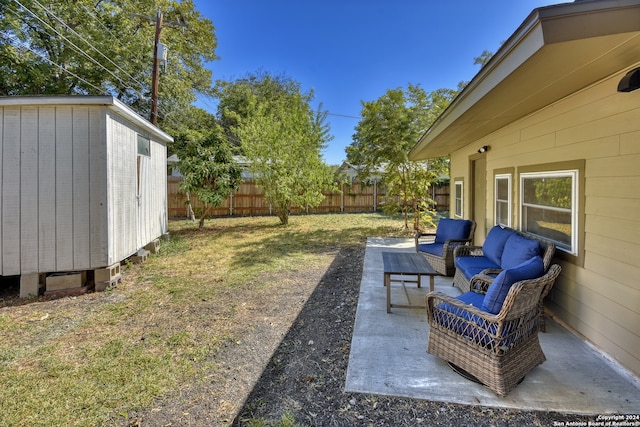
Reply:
x=137, y=200
x=70, y=197
x=50, y=188
x=600, y=295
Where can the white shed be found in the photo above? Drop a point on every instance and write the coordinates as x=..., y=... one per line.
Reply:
x=82, y=185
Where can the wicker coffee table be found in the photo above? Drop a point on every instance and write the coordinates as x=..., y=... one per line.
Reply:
x=406, y=264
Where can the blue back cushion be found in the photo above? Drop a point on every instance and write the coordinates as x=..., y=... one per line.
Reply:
x=494, y=243
x=517, y=250
x=497, y=292
x=452, y=229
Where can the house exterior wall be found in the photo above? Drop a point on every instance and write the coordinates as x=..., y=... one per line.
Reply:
x=598, y=292
x=68, y=187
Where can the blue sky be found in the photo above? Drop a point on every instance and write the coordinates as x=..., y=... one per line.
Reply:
x=348, y=51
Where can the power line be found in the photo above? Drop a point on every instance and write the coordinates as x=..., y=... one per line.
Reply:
x=24, y=45
x=73, y=45
x=78, y=49
x=343, y=115
x=89, y=44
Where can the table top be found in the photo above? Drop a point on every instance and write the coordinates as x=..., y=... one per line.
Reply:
x=406, y=263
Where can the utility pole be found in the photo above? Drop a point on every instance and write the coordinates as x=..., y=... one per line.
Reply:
x=155, y=79
x=156, y=70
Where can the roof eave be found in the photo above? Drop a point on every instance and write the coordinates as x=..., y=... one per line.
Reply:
x=556, y=51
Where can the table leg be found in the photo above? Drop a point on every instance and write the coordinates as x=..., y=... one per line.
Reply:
x=419, y=280
x=387, y=283
x=432, y=282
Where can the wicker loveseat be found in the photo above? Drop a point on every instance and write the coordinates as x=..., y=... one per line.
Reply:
x=439, y=247
x=503, y=248
x=498, y=349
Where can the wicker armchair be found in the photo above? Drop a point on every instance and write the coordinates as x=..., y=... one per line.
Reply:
x=497, y=349
x=439, y=247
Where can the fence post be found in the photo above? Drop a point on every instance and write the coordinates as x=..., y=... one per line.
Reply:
x=230, y=204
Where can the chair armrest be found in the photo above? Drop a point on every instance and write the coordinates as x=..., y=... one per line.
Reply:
x=480, y=282
x=419, y=235
x=467, y=250
x=450, y=245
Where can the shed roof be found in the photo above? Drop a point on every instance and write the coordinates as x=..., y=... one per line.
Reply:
x=109, y=101
x=558, y=50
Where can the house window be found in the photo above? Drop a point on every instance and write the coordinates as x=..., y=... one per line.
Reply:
x=458, y=198
x=503, y=200
x=144, y=146
x=548, y=206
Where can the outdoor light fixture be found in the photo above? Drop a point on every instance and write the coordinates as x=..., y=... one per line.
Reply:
x=483, y=149
x=630, y=82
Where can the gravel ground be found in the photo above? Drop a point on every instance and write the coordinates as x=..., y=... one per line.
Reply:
x=289, y=365
x=304, y=380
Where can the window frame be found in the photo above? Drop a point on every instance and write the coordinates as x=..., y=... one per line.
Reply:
x=574, y=174
x=147, y=141
x=458, y=199
x=509, y=201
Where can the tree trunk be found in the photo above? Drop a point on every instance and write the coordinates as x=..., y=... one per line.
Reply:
x=283, y=214
x=205, y=211
x=190, y=212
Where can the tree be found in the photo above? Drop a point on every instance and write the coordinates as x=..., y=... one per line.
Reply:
x=282, y=138
x=389, y=128
x=209, y=169
x=104, y=47
x=484, y=57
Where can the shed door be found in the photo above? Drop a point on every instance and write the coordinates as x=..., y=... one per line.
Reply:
x=143, y=196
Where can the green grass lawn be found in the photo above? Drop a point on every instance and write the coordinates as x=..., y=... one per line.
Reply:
x=92, y=359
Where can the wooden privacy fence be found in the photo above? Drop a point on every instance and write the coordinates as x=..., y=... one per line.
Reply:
x=249, y=201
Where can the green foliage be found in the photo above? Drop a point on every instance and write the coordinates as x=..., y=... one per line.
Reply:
x=281, y=137
x=105, y=47
x=551, y=191
x=389, y=128
x=209, y=169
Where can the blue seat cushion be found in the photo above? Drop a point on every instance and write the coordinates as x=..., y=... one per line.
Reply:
x=465, y=323
x=493, y=246
x=499, y=288
x=431, y=248
x=472, y=298
x=472, y=265
x=452, y=229
x=517, y=250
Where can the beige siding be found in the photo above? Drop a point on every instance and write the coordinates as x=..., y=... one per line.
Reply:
x=601, y=298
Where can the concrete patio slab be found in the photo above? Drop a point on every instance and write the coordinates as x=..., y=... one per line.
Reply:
x=388, y=357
